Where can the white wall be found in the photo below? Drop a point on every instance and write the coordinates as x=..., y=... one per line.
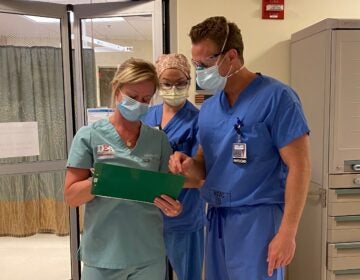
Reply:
x=266, y=42
x=142, y=49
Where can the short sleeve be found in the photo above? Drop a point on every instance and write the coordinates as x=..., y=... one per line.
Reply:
x=289, y=122
x=81, y=154
x=166, y=151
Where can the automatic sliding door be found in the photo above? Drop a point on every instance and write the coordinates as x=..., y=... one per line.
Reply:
x=35, y=128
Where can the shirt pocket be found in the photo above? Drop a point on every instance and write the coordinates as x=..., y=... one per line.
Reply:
x=151, y=162
x=258, y=141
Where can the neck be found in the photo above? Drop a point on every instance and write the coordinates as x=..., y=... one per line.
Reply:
x=168, y=113
x=237, y=83
x=122, y=124
x=170, y=109
x=128, y=131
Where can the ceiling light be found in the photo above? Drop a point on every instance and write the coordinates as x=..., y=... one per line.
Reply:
x=108, y=19
x=43, y=19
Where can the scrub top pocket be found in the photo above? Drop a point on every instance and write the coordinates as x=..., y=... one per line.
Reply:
x=258, y=140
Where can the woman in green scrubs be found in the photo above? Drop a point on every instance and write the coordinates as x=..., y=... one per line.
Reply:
x=122, y=239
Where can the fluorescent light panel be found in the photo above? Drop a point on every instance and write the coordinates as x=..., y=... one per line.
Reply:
x=43, y=19
x=56, y=20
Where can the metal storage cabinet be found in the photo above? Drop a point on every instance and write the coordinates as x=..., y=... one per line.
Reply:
x=325, y=72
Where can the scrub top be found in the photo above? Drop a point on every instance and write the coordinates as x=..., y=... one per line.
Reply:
x=270, y=117
x=182, y=131
x=120, y=233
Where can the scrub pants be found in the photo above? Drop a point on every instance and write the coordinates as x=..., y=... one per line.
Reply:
x=152, y=271
x=237, y=242
x=185, y=251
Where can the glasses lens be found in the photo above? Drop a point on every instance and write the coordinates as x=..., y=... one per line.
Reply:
x=166, y=86
x=181, y=85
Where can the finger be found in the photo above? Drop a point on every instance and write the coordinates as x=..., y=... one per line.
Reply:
x=175, y=164
x=170, y=200
x=271, y=265
x=289, y=259
x=167, y=208
x=160, y=203
x=279, y=262
x=173, y=205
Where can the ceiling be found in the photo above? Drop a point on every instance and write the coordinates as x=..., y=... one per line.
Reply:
x=131, y=28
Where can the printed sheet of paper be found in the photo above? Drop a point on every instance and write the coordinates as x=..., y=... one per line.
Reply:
x=19, y=139
x=95, y=114
x=135, y=184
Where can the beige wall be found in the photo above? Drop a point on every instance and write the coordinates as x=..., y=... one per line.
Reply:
x=266, y=41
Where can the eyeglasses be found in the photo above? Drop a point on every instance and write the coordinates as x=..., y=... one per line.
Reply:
x=207, y=62
x=137, y=97
x=179, y=85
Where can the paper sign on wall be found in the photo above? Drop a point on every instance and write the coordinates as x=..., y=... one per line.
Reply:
x=95, y=114
x=19, y=139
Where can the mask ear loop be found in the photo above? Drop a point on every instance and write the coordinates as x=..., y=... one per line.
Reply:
x=223, y=46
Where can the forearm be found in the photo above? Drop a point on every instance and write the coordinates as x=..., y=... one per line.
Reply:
x=79, y=193
x=296, y=189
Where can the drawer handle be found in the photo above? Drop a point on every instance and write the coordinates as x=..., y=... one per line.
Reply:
x=356, y=167
x=352, y=245
x=347, y=191
x=348, y=271
x=347, y=219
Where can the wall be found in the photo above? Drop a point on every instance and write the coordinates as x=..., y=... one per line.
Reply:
x=266, y=42
x=142, y=49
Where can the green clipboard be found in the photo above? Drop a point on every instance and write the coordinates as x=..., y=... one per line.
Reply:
x=122, y=182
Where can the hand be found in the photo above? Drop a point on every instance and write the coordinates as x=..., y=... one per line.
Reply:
x=281, y=251
x=169, y=206
x=180, y=163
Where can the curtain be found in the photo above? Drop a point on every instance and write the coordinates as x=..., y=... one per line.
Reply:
x=31, y=89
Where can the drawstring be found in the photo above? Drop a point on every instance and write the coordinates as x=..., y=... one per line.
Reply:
x=216, y=213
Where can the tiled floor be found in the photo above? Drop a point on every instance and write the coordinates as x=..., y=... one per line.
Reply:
x=39, y=257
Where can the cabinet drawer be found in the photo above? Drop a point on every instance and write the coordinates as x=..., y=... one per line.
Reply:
x=344, y=229
x=344, y=202
x=352, y=274
x=344, y=181
x=342, y=256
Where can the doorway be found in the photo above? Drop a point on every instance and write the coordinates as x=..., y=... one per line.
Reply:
x=55, y=63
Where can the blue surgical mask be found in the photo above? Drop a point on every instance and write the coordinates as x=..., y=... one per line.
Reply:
x=131, y=109
x=210, y=78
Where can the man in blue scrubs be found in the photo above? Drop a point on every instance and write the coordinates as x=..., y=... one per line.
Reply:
x=253, y=159
x=178, y=118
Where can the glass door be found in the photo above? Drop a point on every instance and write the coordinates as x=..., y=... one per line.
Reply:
x=108, y=34
x=35, y=132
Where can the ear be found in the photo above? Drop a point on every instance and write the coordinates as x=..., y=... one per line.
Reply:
x=233, y=54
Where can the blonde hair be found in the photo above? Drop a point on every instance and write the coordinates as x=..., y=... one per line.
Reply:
x=132, y=71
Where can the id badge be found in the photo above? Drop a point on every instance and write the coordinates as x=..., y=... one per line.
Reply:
x=239, y=153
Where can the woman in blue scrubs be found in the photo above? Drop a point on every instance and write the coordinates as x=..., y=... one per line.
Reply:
x=177, y=117
x=254, y=158
x=122, y=239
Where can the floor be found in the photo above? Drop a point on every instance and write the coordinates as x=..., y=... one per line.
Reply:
x=38, y=257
